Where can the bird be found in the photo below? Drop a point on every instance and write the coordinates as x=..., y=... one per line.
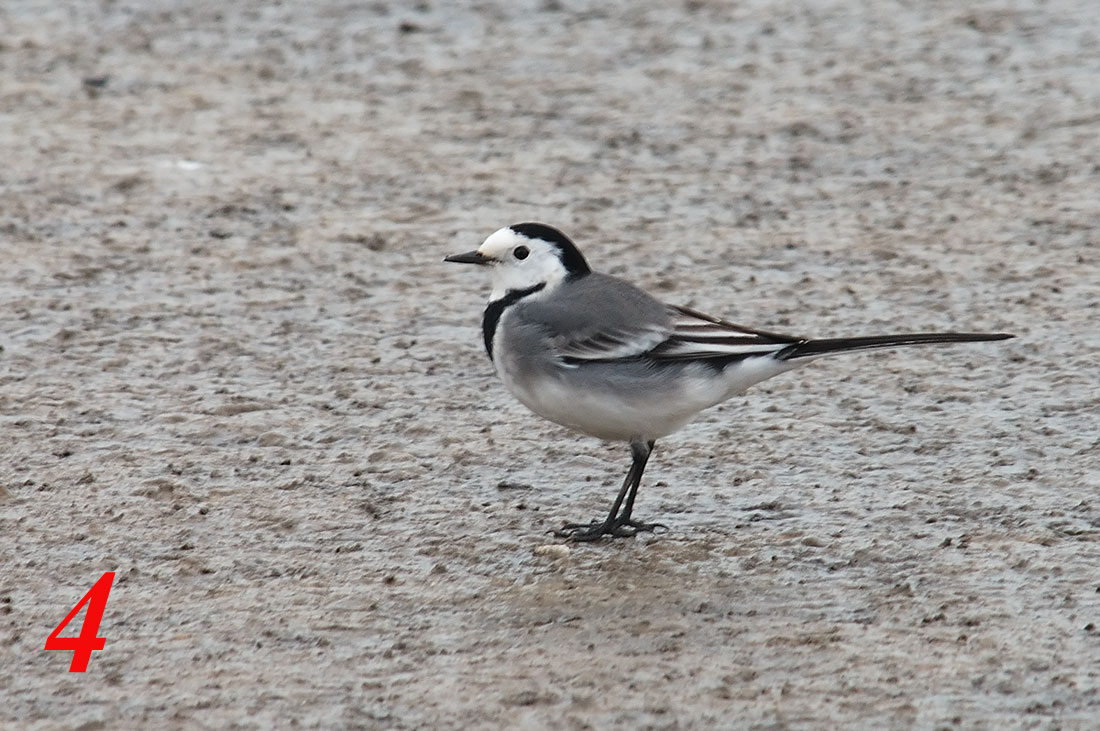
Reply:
x=598, y=355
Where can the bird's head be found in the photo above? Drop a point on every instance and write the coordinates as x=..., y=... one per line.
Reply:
x=525, y=255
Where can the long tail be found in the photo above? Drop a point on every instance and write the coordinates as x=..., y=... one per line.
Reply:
x=825, y=346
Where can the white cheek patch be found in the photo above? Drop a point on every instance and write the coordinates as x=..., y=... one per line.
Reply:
x=541, y=267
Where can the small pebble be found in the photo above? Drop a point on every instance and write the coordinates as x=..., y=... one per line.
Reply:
x=552, y=550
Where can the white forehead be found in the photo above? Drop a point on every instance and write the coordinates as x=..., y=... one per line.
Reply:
x=501, y=242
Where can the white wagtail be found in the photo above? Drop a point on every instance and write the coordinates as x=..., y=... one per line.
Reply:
x=600, y=356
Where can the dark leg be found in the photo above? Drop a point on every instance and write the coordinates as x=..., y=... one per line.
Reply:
x=617, y=525
x=628, y=506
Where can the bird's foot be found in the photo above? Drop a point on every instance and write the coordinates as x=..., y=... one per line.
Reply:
x=593, y=531
x=614, y=528
x=640, y=527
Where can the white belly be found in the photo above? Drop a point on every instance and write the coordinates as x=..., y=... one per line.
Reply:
x=632, y=410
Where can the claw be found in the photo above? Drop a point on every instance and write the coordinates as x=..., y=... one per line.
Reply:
x=616, y=529
x=640, y=527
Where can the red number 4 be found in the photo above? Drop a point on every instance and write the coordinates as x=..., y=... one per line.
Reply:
x=82, y=646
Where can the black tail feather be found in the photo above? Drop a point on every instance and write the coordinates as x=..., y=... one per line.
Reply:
x=825, y=346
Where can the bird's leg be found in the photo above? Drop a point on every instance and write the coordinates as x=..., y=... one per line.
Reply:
x=616, y=525
x=623, y=518
x=592, y=531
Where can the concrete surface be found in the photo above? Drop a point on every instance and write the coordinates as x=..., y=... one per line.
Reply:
x=236, y=372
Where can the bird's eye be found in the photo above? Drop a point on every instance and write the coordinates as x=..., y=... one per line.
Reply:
x=521, y=252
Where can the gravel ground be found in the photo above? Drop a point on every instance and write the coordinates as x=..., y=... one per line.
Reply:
x=236, y=372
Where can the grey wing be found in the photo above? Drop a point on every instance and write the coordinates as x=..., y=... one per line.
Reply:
x=604, y=319
x=608, y=344
x=600, y=318
x=697, y=336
